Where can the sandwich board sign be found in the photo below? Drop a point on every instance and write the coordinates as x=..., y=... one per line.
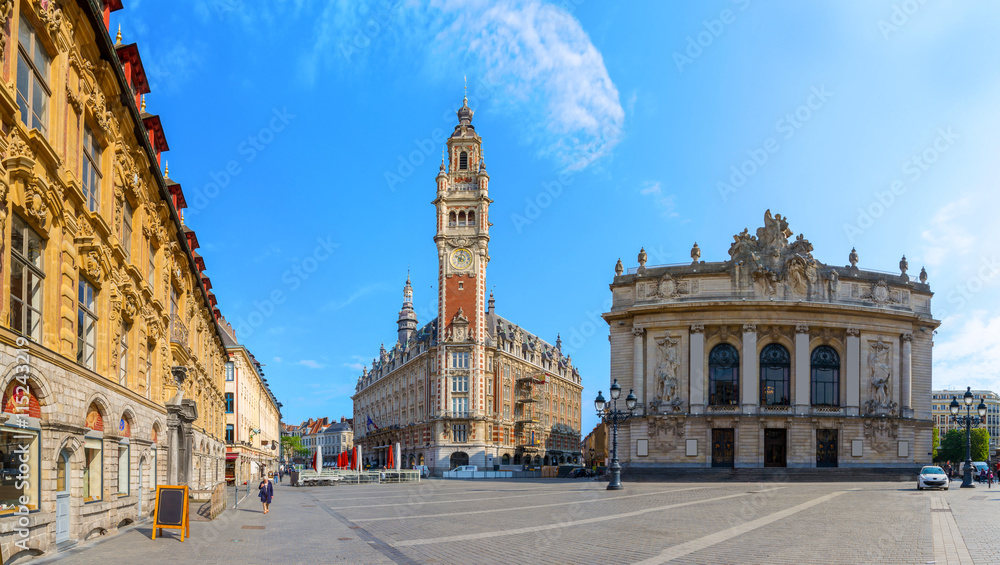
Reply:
x=172, y=510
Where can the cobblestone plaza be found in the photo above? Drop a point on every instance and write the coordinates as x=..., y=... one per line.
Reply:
x=557, y=521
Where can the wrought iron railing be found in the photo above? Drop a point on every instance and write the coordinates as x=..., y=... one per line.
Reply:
x=178, y=330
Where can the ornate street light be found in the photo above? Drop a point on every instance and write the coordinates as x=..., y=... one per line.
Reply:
x=968, y=421
x=612, y=415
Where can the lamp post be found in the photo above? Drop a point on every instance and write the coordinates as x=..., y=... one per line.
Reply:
x=612, y=416
x=968, y=421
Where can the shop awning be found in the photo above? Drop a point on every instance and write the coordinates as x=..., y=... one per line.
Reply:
x=232, y=456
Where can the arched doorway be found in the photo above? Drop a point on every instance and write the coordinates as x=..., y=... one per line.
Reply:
x=421, y=459
x=459, y=458
x=546, y=461
x=505, y=460
x=517, y=458
x=62, y=497
x=538, y=460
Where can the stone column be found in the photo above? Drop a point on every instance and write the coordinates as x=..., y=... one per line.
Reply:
x=638, y=369
x=174, y=439
x=905, y=376
x=696, y=373
x=749, y=377
x=853, y=369
x=802, y=384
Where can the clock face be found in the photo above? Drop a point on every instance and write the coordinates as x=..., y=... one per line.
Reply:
x=461, y=258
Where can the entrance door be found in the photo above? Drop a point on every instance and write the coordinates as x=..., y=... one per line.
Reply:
x=826, y=448
x=459, y=458
x=775, y=447
x=723, y=453
x=62, y=498
x=142, y=488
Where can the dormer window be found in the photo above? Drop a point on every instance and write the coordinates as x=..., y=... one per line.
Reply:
x=463, y=160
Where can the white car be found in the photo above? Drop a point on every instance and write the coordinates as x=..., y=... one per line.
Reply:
x=932, y=477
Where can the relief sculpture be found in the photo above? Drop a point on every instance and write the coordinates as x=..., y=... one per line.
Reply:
x=667, y=375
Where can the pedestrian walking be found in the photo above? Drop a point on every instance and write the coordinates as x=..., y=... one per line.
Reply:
x=266, y=492
x=989, y=479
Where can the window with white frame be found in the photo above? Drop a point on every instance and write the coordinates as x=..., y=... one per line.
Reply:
x=150, y=350
x=86, y=330
x=460, y=405
x=123, y=469
x=460, y=384
x=26, y=280
x=460, y=360
x=460, y=433
x=91, y=170
x=123, y=354
x=127, y=230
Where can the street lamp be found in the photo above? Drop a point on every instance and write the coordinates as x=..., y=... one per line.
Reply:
x=612, y=416
x=968, y=421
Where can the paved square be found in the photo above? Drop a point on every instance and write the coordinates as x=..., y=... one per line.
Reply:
x=565, y=521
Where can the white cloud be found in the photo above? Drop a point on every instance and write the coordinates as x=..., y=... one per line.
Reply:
x=533, y=61
x=355, y=366
x=666, y=204
x=948, y=236
x=967, y=352
x=277, y=359
x=360, y=293
x=311, y=364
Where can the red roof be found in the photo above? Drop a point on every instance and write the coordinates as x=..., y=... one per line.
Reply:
x=129, y=56
x=155, y=129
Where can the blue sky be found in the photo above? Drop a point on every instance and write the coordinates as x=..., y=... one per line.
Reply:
x=307, y=136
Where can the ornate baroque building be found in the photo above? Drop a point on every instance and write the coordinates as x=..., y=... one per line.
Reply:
x=105, y=299
x=253, y=414
x=469, y=387
x=773, y=359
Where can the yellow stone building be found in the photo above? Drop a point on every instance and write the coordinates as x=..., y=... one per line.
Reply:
x=253, y=414
x=772, y=359
x=105, y=300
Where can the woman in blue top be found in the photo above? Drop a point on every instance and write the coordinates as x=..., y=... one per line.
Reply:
x=266, y=492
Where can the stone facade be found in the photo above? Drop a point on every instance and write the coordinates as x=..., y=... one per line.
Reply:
x=103, y=295
x=253, y=414
x=941, y=412
x=470, y=387
x=772, y=358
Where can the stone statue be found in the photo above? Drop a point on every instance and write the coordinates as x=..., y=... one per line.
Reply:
x=667, y=369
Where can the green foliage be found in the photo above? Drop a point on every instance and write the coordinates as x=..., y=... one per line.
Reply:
x=935, y=439
x=952, y=446
x=293, y=445
x=980, y=444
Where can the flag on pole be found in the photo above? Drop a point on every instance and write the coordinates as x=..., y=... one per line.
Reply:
x=371, y=424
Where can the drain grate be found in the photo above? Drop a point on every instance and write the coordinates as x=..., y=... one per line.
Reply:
x=344, y=539
x=940, y=509
x=308, y=506
x=355, y=527
x=253, y=527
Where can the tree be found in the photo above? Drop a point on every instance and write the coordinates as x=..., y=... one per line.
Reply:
x=292, y=446
x=980, y=444
x=935, y=439
x=952, y=447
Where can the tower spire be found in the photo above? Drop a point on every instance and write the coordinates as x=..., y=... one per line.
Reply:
x=407, y=322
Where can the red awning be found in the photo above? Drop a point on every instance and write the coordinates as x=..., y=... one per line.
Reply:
x=232, y=456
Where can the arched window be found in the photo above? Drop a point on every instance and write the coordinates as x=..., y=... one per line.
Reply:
x=463, y=160
x=461, y=218
x=775, y=368
x=723, y=375
x=451, y=219
x=472, y=218
x=825, y=369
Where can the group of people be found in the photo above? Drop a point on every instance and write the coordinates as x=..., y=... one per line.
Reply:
x=984, y=477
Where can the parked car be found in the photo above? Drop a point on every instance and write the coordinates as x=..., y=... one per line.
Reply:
x=465, y=468
x=932, y=477
x=977, y=467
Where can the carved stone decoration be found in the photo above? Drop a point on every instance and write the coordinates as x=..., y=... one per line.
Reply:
x=768, y=264
x=5, y=6
x=51, y=16
x=749, y=328
x=834, y=284
x=923, y=275
x=697, y=328
x=619, y=269
x=16, y=147
x=667, y=373
x=853, y=332
x=637, y=331
x=802, y=328
x=99, y=108
x=880, y=433
x=880, y=375
x=35, y=203
x=665, y=432
x=904, y=265
x=92, y=266
x=695, y=253
x=880, y=293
